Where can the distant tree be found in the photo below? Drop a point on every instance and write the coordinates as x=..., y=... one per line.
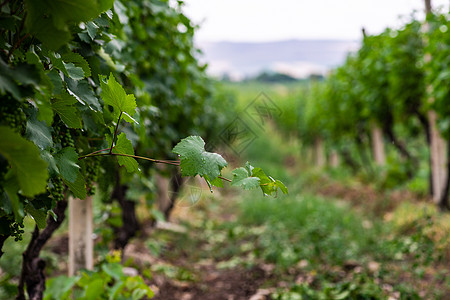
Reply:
x=274, y=77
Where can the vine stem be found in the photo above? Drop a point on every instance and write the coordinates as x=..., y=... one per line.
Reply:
x=226, y=179
x=115, y=133
x=160, y=161
x=91, y=154
x=168, y=162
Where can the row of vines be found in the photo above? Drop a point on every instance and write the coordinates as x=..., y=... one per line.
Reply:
x=395, y=87
x=88, y=88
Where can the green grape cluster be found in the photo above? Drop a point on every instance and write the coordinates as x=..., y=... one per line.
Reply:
x=92, y=169
x=56, y=189
x=12, y=115
x=16, y=230
x=62, y=135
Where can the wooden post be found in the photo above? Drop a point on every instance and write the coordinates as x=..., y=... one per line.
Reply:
x=437, y=143
x=319, y=152
x=378, y=146
x=81, y=244
x=162, y=192
x=438, y=158
x=334, y=159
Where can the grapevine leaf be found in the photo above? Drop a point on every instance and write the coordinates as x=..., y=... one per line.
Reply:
x=11, y=191
x=39, y=133
x=68, y=69
x=113, y=94
x=26, y=163
x=268, y=184
x=78, y=187
x=57, y=62
x=83, y=92
x=50, y=160
x=215, y=182
x=78, y=61
x=5, y=204
x=74, y=72
x=104, y=5
x=196, y=161
x=241, y=177
x=14, y=80
x=63, y=106
x=282, y=187
x=124, y=146
x=33, y=58
x=50, y=21
x=56, y=80
x=66, y=159
x=91, y=29
x=114, y=270
x=39, y=216
x=45, y=111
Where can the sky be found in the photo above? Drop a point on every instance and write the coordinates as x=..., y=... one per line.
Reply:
x=265, y=20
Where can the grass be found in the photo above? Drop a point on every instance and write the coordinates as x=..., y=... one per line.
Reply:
x=308, y=227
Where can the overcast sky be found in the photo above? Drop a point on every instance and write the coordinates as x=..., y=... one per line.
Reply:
x=269, y=20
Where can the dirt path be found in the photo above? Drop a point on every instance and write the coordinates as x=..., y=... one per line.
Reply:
x=231, y=284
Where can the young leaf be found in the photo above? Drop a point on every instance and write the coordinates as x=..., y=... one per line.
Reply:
x=124, y=146
x=64, y=108
x=268, y=184
x=26, y=163
x=281, y=185
x=194, y=160
x=242, y=177
x=113, y=94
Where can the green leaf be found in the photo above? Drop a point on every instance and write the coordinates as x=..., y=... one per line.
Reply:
x=50, y=160
x=78, y=61
x=45, y=111
x=39, y=216
x=91, y=28
x=268, y=184
x=281, y=185
x=50, y=21
x=63, y=106
x=124, y=146
x=26, y=164
x=11, y=186
x=83, y=92
x=66, y=159
x=196, y=161
x=56, y=80
x=59, y=287
x=39, y=133
x=113, y=94
x=78, y=188
x=74, y=72
x=94, y=290
x=114, y=270
x=242, y=177
x=15, y=80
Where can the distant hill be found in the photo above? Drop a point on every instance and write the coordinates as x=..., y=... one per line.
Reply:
x=298, y=58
